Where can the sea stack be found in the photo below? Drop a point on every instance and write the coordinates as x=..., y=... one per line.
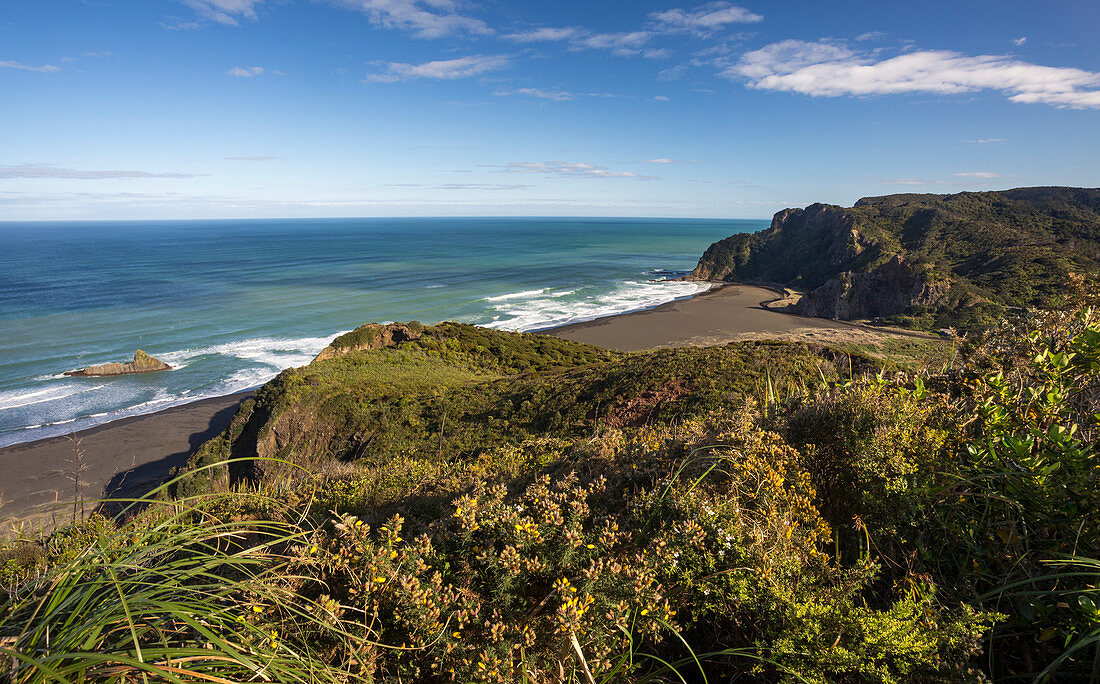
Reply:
x=142, y=363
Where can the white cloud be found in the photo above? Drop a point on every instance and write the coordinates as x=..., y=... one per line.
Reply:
x=88, y=54
x=543, y=35
x=660, y=98
x=870, y=35
x=225, y=11
x=673, y=73
x=176, y=24
x=460, y=186
x=665, y=160
x=979, y=174
x=444, y=69
x=830, y=69
x=51, y=171
x=1020, y=41
x=622, y=44
x=556, y=95
x=786, y=57
x=704, y=19
x=478, y=186
x=424, y=18
x=568, y=169
x=985, y=141
x=245, y=72
x=45, y=68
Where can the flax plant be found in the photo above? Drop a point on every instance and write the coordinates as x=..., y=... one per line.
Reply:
x=174, y=594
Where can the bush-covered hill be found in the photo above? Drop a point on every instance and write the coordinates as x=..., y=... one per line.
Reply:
x=454, y=392
x=477, y=506
x=925, y=260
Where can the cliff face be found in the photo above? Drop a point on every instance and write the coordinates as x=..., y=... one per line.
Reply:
x=890, y=289
x=803, y=247
x=142, y=363
x=956, y=258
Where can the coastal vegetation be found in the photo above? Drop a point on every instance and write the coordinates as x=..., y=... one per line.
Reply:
x=472, y=505
x=925, y=261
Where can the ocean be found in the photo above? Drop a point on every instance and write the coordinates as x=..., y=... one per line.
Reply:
x=231, y=303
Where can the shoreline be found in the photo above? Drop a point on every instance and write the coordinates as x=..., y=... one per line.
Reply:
x=183, y=403
x=123, y=458
x=728, y=312
x=711, y=287
x=131, y=455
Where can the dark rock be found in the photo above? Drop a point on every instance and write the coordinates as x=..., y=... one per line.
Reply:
x=892, y=288
x=142, y=363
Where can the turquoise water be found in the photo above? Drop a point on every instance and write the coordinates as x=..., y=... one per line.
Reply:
x=231, y=303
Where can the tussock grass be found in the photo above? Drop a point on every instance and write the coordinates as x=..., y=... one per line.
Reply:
x=176, y=593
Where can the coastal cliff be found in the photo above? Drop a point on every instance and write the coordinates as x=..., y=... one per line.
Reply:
x=887, y=290
x=142, y=363
x=921, y=260
x=802, y=248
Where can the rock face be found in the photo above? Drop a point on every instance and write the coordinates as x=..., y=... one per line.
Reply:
x=803, y=248
x=372, y=336
x=142, y=363
x=892, y=288
x=960, y=258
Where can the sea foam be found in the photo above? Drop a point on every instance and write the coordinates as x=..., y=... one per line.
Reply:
x=541, y=309
x=77, y=405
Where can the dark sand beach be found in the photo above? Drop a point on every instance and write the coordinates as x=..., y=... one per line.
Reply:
x=127, y=457
x=727, y=313
x=123, y=459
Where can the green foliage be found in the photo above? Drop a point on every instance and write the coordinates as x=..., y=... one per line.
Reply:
x=872, y=450
x=480, y=506
x=459, y=391
x=1030, y=496
x=985, y=250
x=983, y=480
x=176, y=595
x=704, y=531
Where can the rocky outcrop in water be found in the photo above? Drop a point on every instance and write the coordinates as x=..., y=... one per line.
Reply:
x=372, y=336
x=142, y=363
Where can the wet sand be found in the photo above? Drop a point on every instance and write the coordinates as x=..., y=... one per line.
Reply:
x=123, y=459
x=728, y=313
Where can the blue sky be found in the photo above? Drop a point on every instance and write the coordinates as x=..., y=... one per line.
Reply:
x=266, y=108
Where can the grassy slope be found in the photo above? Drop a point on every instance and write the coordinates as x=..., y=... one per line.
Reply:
x=460, y=390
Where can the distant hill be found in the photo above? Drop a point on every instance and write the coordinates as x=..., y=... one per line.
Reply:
x=921, y=259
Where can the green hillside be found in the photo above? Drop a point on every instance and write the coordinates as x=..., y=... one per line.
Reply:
x=963, y=257
x=459, y=391
x=449, y=503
